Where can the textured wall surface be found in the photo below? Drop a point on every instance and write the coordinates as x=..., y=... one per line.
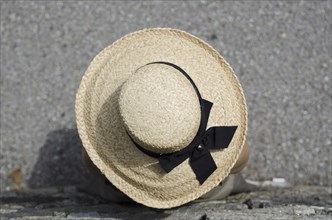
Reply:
x=280, y=50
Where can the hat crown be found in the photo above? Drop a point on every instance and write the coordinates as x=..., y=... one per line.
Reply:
x=160, y=108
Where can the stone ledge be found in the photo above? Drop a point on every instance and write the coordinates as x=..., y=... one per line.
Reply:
x=302, y=202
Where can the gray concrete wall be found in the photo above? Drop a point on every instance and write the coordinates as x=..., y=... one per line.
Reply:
x=280, y=50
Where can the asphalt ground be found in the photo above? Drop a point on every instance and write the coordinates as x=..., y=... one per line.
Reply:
x=280, y=51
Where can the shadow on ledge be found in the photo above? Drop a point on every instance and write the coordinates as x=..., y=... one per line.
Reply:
x=59, y=162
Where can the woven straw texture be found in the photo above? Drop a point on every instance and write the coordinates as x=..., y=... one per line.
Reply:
x=160, y=108
x=157, y=106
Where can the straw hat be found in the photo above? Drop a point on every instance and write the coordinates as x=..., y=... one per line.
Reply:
x=162, y=115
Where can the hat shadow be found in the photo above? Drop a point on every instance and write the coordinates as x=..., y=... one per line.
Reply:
x=59, y=162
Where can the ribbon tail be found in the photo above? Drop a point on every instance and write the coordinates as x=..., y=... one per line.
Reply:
x=205, y=108
x=202, y=164
x=169, y=161
x=219, y=137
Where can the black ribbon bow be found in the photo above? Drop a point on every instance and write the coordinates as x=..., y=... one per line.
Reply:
x=200, y=160
x=197, y=151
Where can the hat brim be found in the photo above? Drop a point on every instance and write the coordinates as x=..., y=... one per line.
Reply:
x=105, y=139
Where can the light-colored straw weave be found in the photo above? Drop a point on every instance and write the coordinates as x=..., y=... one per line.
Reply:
x=157, y=106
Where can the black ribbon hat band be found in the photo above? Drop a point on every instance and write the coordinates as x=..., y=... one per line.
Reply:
x=197, y=151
